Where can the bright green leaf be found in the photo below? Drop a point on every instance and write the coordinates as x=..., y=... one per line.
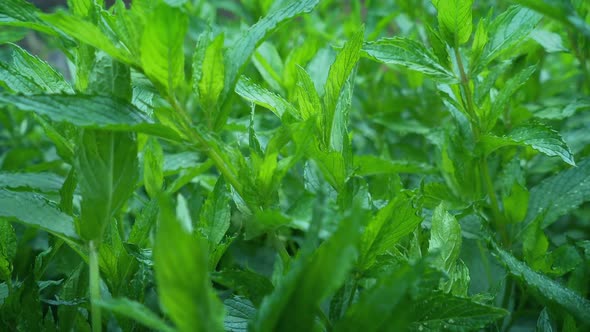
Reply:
x=455, y=20
x=107, y=170
x=213, y=74
x=162, y=46
x=185, y=293
x=410, y=54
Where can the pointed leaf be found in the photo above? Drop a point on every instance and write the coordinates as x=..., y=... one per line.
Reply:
x=162, y=45
x=538, y=136
x=213, y=74
x=455, y=20
x=551, y=291
x=34, y=210
x=445, y=239
x=185, y=293
x=393, y=222
x=136, y=311
x=559, y=194
x=98, y=112
x=107, y=170
x=239, y=53
x=443, y=312
x=410, y=54
x=313, y=277
x=215, y=216
x=253, y=92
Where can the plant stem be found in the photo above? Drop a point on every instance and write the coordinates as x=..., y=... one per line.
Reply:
x=496, y=213
x=211, y=151
x=94, y=288
x=469, y=104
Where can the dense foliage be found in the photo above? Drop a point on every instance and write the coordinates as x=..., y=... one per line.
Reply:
x=295, y=165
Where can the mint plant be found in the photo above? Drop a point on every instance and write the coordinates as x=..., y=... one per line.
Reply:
x=295, y=166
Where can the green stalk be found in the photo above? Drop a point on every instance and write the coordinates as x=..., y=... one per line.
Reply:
x=94, y=288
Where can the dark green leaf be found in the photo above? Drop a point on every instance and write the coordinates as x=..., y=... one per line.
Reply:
x=559, y=194
x=551, y=291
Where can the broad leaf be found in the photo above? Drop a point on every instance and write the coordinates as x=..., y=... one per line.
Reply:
x=559, y=194
x=262, y=97
x=445, y=239
x=444, y=312
x=454, y=20
x=36, y=211
x=28, y=74
x=97, y=112
x=239, y=312
x=393, y=222
x=410, y=54
x=45, y=182
x=538, y=136
x=506, y=31
x=107, y=170
x=87, y=33
x=162, y=46
x=214, y=219
x=213, y=74
x=185, y=293
x=21, y=13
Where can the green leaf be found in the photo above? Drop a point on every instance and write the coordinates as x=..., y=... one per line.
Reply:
x=239, y=312
x=136, y=311
x=7, y=249
x=110, y=78
x=559, y=10
x=307, y=95
x=87, y=33
x=410, y=54
x=538, y=136
x=381, y=308
x=372, y=165
x=239, y=53
x=153, y=165
x=445, y=239
x=97, y=112
x=313, y=277
x=107, y=171
x=503, y=98
x=551, y=291
x=215, y=216
x=444, y=312
x=185, y=293
x=245, y=282
x=45, y=182
x=30, y=75
x=213, y=74
x=505, y=32
x=254, y=93
x=335, y=90
x=34, y=210
x=516, y=203
x=455, y=20
x=162, y=46
x=392, y=223
x=559, y=194
x=21, y=13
